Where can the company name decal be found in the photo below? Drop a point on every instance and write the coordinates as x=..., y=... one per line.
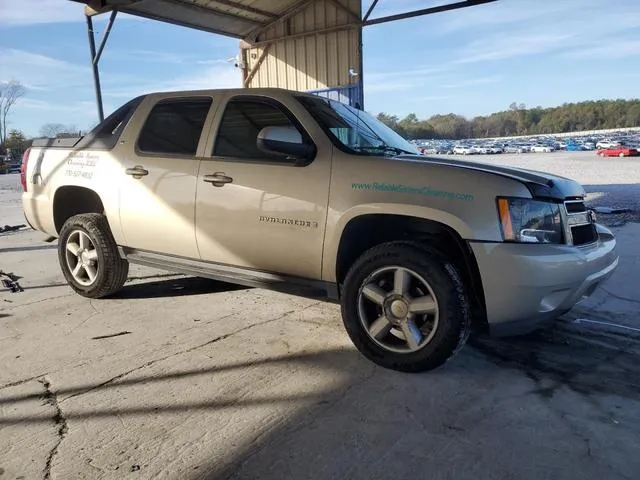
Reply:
x=288, y=221
x=399, y=188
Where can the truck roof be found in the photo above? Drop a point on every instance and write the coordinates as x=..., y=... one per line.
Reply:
x=237, y=90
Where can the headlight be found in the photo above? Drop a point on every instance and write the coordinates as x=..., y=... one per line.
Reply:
x=530, y=221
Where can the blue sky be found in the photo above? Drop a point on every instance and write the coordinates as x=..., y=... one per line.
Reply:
x=472, y=61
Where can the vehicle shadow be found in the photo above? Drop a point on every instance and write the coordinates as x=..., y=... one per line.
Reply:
x=175, y=287
x=569, y=355
x=351, y=419
x=28, y=249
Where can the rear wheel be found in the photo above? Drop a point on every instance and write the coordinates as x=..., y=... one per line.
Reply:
x=89, y=258
x=621, y=154
x=405, y=308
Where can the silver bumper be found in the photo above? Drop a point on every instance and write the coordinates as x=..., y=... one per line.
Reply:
x=525, y=285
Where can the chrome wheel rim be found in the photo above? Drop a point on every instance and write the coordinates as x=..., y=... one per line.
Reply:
x=398, y=309
x=82, y=258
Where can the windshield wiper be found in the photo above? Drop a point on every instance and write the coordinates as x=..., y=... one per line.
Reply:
x=383, y=148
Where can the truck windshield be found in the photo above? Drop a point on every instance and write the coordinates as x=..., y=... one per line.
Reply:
x=357, y=131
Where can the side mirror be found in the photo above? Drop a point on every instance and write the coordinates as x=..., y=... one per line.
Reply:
x=287, y=141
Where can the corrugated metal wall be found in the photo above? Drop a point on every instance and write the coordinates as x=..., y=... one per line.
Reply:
x=317, y=61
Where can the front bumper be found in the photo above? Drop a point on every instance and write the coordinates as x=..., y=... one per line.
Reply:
x=526, y=285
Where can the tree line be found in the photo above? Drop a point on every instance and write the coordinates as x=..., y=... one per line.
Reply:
x=520, y=120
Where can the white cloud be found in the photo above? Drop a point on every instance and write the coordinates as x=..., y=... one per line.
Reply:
x=213, y=77
x=501, y=48
x=21, y=13
x=607, y=51
x=40, y=72
x=389, y=86
x=518, y=14
x=402, y=72
x=473, y=82
x=433, y=97
x=205, y=79
x=81, y=106
x=33, y=12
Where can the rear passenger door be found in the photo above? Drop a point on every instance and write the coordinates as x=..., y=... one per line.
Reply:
x=157, y=194
x=269, y=213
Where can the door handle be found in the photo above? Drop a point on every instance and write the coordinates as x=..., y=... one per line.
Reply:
x=137, y=172
x=218, y=179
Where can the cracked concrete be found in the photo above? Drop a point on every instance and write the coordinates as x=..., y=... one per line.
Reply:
x=233, y=383
x=59, y=420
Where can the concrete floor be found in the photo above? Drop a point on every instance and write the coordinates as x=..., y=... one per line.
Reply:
x=247, y=383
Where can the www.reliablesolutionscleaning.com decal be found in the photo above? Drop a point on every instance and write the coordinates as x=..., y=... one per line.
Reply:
x=399, y=188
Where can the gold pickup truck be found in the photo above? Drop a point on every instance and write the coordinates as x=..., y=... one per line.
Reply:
x=290, y=191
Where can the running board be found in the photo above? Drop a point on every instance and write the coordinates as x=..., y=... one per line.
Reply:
x=288, y=284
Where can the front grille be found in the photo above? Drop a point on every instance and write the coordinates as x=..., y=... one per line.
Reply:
x=583, y=230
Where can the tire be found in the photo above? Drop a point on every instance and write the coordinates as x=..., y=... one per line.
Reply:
x=621, y=155
x=442, y=333
x=86, y=239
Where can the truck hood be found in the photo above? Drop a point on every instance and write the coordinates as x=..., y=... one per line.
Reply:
x=540, y=184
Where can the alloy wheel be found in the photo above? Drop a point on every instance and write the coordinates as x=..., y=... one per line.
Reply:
x=82, y=258
x=398, y=309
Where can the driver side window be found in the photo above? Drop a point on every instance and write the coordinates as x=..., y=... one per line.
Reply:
x=240, y=125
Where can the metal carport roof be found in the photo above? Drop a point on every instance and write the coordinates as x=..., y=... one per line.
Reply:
x=261, y=24
x=242, y=19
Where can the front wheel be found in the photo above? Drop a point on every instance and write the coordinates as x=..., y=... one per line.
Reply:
x=89, y=258
x=405, y=308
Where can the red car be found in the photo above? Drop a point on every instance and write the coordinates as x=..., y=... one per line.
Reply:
x=618, y=151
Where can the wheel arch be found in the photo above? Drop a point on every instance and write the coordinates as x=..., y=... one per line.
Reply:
x=70, y=200
x=368, y=229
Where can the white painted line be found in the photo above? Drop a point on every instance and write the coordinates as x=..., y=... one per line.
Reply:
x=584, y=320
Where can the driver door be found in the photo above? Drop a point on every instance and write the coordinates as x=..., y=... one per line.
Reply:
x=265, y=212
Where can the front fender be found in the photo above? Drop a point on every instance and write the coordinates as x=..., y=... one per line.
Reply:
x=337, y=222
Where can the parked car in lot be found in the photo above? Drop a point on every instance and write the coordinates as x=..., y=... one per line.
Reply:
x=8, y=165
x=464, y=150
x=542, y=149
x=607, y=144
x=517, y=148
x=301, y=194
x=619, y=151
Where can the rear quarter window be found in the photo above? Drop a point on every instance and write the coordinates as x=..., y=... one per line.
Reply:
x=174, y=127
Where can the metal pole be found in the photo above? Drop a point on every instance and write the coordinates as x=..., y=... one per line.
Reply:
x=112, y=19
x=427, y=11
x=366, y=15
x=94, y=65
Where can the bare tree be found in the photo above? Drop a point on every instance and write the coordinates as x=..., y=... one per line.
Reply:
x=10, y=92
x=58, y=130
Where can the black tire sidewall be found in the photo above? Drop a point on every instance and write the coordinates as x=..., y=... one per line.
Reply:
x=96, y=227
x=454, y=318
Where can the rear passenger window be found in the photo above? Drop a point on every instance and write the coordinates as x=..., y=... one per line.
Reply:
x=240, y=125
x=174, y=127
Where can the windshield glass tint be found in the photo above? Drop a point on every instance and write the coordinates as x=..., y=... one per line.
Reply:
x=358, y=131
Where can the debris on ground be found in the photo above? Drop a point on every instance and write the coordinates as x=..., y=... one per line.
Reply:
x=610, y=210
x=11, y=228
x=10, y=281
x=100, y=337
